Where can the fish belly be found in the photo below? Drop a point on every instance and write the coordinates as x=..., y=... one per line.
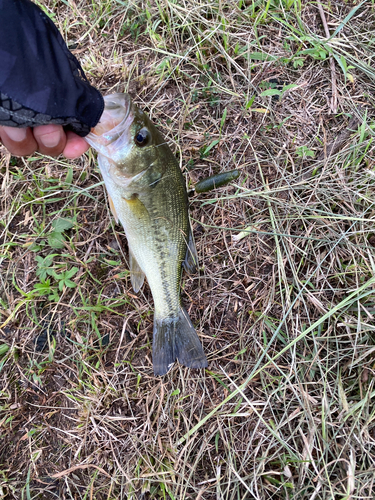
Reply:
x=155, y=251
x=157, y=256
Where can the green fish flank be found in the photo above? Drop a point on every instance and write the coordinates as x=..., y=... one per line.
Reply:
x=147, y=195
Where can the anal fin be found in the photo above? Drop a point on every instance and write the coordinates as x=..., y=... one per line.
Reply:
x=137, y=276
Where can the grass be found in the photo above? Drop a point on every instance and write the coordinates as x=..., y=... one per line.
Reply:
x=284, y=301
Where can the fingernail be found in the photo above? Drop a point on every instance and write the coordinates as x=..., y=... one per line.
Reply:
x=50, y=140
x=16, y=134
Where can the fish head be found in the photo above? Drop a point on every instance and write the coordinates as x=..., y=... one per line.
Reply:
x=126, y=136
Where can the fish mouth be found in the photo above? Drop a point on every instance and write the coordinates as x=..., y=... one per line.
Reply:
x=112, y=123
x=118, y=102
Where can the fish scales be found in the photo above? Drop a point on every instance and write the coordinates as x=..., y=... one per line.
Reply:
x=148, y=195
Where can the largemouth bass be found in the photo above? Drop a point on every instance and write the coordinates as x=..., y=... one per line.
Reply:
x=147, y=194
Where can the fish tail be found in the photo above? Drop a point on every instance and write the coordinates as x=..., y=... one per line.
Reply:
x=176, y=338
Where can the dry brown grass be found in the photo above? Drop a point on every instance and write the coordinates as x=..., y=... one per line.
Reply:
x=285, y=309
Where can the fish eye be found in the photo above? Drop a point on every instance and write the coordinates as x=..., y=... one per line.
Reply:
x=142, y=137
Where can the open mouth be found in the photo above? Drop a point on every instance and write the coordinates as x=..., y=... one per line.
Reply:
x=116, y=110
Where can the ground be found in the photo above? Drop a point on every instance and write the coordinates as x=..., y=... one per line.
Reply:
x=284, y=299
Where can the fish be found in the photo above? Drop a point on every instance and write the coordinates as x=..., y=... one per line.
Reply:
x=147, y=194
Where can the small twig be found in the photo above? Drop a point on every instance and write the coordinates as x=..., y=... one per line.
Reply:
x=334, y=147
x=77, y=467
x=331, y=60
x=337, y=144
x=5, y=182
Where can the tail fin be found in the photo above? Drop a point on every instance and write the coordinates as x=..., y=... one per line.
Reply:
x=176, y=338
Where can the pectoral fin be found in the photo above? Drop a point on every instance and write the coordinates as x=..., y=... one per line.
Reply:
x=191, y=259
x=138, y=209
x=137, y=276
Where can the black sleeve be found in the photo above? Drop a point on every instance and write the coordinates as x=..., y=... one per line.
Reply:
x=41, y=82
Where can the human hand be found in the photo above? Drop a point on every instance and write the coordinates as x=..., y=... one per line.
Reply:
x=51, y=140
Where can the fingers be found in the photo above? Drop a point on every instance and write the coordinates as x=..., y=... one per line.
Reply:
x=19, y=141
x=51, y=140
x=75, y=145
